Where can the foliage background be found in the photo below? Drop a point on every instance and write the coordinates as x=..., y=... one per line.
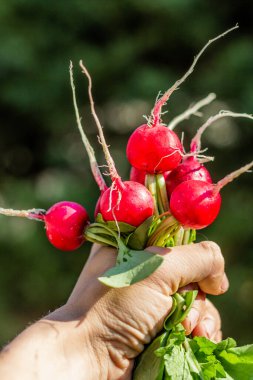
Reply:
x=133, y=49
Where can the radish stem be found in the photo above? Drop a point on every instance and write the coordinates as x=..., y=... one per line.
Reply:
x=151, y=185
x=186, y=237
x=178, y=238
x=162, y=192
x=191, y=111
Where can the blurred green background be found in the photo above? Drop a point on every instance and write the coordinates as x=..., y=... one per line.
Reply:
x=133, y=49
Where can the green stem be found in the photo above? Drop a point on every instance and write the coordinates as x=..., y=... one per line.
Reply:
x=162, y=191
x=186, y=237
x=178, y=238
x=151, y=185
x=192, y=360
x=93, y=238
x=95, y=230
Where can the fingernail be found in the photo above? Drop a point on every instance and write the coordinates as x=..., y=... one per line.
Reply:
x=209, y=327
x=224, y=284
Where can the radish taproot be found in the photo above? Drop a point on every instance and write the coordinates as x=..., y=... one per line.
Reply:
x=196, y=204
x=124, y=201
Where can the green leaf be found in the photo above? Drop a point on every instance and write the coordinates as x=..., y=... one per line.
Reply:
x=124, y=227
x=203, y=350
x=99, y=218
x=225, y=344
x=139, y=265
x=223, y=360
x=238, y=362
x=176, y=366
x=138, y=239
x=193, y=364
x=182, y=303
x=150, y=367
x=192, y=237
x=204, y=345
x=170, y=339
x=209, y=370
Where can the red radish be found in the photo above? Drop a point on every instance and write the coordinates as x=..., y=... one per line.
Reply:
x=196, y=204
x=65, y=224
x=128, y=202
x=133, y=207
x=97, y=207
x=189, y=169
x=154, y=149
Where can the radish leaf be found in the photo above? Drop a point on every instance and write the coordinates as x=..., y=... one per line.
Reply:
x=135, y=266
x=238, y=362
x=138, y=239
x=182, y=303
x=123, y=227
x=149, y=365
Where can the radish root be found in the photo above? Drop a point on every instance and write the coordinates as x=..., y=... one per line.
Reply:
x=230, y=177
x=191, y=111
x=196, y=143
x=33, y=213
x=111, y=164
x=156, y=112
x=90, y=151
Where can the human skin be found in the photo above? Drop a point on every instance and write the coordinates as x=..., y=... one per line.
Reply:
x=99, y=332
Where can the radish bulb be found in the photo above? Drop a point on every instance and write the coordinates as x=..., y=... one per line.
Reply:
x=192, y=168
x=196, y=204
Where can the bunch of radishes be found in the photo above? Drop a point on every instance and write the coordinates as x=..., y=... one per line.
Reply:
x=169, y=187
x=169, y=196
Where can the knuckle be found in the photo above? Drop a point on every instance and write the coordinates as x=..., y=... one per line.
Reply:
x=214, y=250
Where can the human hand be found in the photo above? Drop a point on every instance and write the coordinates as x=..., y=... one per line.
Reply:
x=99, y=332
x=124, y=320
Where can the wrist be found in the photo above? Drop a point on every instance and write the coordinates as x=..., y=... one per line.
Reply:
x=55, y=347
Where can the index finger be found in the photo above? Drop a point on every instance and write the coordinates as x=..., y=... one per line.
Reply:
x=202, y=263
